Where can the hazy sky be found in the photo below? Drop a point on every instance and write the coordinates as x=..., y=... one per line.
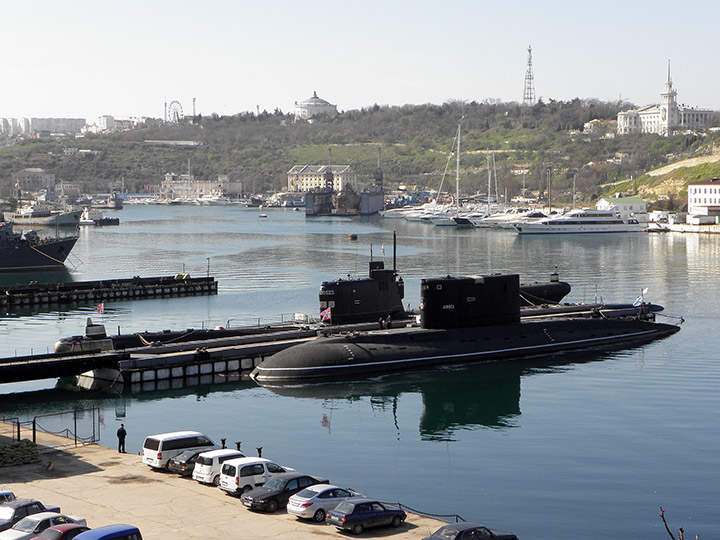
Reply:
x=87, y=58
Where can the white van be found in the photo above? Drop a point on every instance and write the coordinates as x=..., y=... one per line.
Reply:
x=208, y=465
x=159, y=449
x=240, y=475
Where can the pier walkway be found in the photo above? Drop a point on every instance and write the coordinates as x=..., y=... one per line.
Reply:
x=105, y=488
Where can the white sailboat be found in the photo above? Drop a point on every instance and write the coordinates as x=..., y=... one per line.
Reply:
x=454, y=219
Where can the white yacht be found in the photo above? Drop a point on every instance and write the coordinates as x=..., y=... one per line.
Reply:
x=213, y=199
x=581, y=221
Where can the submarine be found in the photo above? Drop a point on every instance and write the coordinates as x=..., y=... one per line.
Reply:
x=462, y=319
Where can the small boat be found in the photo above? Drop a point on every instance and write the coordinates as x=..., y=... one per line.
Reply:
x=213, y=199
x=93, y=216
x=581, y=221
x=262, y=215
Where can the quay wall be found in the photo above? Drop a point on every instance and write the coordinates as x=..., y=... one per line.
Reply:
x=101, y=291
x=105, y=488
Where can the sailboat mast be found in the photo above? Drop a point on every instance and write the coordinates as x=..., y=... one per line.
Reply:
x=457, y=175
x=489, y=179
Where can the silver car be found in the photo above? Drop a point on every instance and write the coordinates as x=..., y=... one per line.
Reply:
x=314, y=502
x=31, y=526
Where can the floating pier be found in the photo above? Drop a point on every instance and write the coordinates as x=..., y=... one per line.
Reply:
x=155, y=362
x=38, y=294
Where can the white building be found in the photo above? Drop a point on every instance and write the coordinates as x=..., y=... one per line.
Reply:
x=313, y=107
x=665, y=118
x=303, y=178
x=704, y=197
x=625, y=207
x=185, y=186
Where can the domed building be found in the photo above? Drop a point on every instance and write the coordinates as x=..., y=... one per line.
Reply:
x=313, y=107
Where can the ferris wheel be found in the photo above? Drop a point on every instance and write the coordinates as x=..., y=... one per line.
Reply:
x=174, y=112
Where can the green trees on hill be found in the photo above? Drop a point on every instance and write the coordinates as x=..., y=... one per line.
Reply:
x=415, y=141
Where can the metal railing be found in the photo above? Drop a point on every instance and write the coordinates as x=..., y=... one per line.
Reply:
x=67, y=428
x=10, y=427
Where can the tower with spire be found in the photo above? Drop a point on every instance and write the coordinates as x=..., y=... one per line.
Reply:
x=668, y=106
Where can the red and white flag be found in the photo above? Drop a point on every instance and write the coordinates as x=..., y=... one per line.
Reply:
x=101, y=307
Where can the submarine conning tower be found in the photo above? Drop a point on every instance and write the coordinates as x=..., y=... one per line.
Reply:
x=460, y=302
x=365, y=300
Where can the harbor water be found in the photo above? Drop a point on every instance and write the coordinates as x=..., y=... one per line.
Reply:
x=571, y=446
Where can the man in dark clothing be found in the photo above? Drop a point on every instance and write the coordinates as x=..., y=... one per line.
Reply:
x=121, y=434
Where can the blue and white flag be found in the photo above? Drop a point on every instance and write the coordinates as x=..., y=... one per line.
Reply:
x=638, y=301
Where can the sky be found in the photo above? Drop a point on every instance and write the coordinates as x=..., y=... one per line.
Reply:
x=86, y=58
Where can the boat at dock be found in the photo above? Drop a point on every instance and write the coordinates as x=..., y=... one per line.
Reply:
x=27, y=251
x=581, y=221
x=463, y=319
x=44, y=214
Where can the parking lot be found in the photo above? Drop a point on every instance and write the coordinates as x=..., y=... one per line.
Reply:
x=105, y=488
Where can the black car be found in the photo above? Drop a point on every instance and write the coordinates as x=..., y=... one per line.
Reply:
x=359, y=514
x=275, y=493
x=468, y=531
x=184, y=464
x=13, y=511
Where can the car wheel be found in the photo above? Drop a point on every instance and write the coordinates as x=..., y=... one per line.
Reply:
x=396, y=521
x=357, y=528
x=216, y=481
x=272, y=505
x=319, y=516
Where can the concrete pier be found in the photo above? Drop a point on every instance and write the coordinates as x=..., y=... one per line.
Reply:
x=40, y=294
x=105, y=487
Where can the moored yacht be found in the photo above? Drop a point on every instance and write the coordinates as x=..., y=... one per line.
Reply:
x=581, y=221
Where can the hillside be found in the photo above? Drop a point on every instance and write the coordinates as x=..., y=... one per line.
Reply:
x=414, y=144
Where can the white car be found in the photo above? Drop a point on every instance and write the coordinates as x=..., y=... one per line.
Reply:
x=208, y=465
x=33, y=525
x=314, y=502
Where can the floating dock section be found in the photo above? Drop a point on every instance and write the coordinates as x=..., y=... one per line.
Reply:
x=36, y=294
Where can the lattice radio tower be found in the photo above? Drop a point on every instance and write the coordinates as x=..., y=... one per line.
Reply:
x=529, y=91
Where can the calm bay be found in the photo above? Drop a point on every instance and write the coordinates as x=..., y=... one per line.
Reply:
x=577, y=445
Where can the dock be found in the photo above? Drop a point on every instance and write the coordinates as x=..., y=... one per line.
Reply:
x=106, y=488
x=40, y=294
x=234, y=354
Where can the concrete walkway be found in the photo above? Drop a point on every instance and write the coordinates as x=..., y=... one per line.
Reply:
x=106, y=487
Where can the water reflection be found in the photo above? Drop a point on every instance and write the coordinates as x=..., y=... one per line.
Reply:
x=454, y=398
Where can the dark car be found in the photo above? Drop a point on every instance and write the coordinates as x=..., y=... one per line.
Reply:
x=275, y=493
x=13, y=511
x=359, y=514
x=184, y=464
x=468, y=531
x=66, y=531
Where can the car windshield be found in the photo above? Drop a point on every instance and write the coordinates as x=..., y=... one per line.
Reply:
x=307, y=494
x=6, y=512
x=26, y=525
x=275, y=483
x=345, y=508
x=185, y=456
x=446, y=533
x=51, y=534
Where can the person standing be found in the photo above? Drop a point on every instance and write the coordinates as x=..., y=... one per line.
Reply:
x=121, y=434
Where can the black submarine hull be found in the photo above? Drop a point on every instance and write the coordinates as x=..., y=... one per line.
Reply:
x=363, y=353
